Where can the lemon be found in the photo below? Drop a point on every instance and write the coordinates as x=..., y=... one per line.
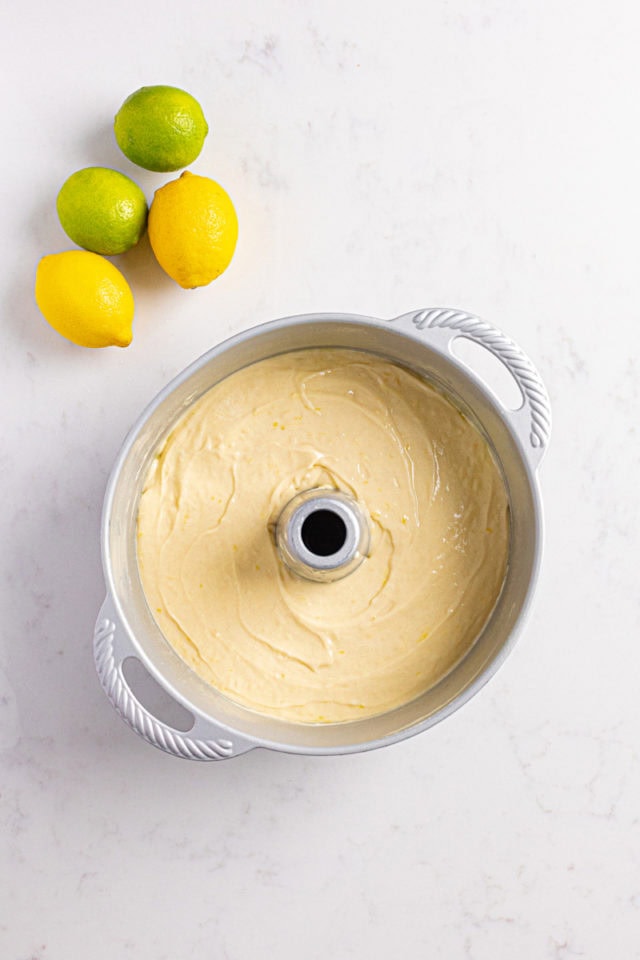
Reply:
x=85, y=298
x=102, y=210
x=193, y=229
x=160, y=128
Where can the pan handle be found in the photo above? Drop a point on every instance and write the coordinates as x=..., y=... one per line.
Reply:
x=441, y=326
x=205, y=741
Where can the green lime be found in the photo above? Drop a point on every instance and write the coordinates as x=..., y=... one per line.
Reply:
x=102, y=210
x=160, y=128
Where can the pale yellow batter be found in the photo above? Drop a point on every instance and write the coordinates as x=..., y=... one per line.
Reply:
x=293, y=648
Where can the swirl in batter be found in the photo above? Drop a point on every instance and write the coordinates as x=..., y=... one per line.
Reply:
x=323, y=652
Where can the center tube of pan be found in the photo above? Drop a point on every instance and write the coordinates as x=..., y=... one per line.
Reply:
x=322, y=535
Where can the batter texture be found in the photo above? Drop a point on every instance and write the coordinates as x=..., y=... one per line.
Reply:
x=301, y=650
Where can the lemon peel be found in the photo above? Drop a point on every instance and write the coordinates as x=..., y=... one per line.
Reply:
x=85, y=299
x=193, y=229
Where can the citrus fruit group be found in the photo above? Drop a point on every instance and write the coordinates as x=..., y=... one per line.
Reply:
x=102, y=210
x=193, y=229
x=160, y=128
x=85, y=298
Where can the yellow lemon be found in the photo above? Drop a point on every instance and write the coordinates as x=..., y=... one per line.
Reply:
x=102, y=210
x=160, y=128
x=85, y=298
x=193, y=229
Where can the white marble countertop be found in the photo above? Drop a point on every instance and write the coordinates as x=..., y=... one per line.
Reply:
x=381, y=157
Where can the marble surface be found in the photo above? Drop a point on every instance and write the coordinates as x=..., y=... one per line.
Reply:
x=381, y=157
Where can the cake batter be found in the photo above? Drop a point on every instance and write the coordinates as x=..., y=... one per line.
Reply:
x=301, y=650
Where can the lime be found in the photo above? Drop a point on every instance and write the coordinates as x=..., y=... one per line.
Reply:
x=85, y=298
x=193, y=229
x=102, y=210
x=160, y=128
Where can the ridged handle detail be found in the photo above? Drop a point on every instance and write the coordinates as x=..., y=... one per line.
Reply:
x=516, y=361
x=136, y=716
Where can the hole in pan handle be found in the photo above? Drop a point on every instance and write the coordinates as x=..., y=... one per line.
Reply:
x=441, y=326
x=112, y=646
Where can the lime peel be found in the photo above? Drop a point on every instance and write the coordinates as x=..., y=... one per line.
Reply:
x=102, y=210
x=161, y=128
